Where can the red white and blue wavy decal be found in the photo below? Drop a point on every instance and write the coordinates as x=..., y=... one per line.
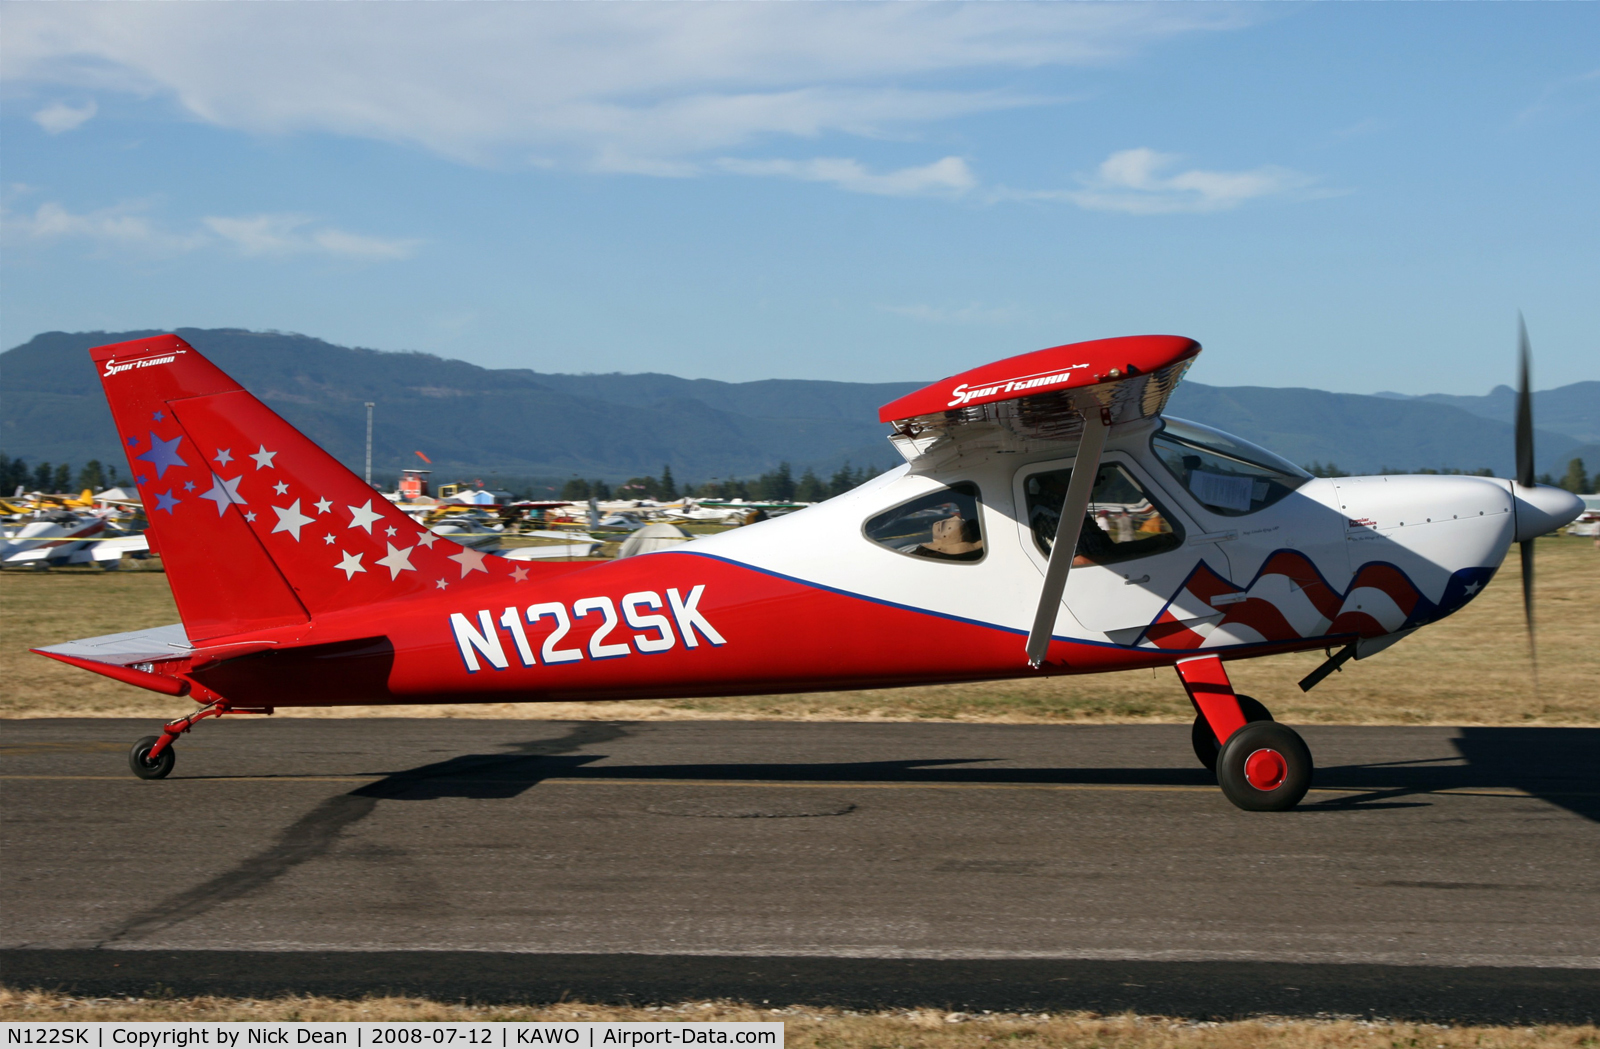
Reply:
x=1289, y=600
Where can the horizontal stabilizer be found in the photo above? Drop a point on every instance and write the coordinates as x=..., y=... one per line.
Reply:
x=134, y=646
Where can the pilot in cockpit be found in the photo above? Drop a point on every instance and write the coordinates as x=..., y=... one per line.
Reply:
x=953, y=538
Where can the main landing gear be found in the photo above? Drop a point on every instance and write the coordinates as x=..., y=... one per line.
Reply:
x=1261, y=766
x=152, y=757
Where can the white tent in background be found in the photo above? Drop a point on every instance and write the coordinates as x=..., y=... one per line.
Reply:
x=118, y=495
x=651, y=538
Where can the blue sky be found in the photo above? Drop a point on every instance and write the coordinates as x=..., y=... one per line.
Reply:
x=1355, y=197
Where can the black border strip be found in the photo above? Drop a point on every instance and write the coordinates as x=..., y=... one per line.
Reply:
x=1200, y=990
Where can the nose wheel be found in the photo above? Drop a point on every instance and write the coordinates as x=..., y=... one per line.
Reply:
x=1264, y=767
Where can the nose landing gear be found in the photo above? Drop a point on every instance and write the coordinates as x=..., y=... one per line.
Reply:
x=1261, y=766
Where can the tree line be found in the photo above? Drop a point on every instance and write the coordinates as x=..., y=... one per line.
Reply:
x=1576, y=479
x=56, y=478
x=776, y=486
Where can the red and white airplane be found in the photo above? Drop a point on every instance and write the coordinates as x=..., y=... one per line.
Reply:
x=299, y=585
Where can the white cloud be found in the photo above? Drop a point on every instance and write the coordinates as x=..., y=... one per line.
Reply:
x=617, y=86
x=63, y=116
x=127, y=230
x=1132, y=182
x=110, y=229
x=284, y=235
x=943, y=178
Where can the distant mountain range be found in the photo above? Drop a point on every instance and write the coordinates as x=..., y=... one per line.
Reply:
x=514, y=423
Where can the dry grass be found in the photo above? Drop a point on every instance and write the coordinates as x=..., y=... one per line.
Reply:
x=1472, y=669
x=832, y=1028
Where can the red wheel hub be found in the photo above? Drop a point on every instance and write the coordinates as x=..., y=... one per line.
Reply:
x=1265, y=769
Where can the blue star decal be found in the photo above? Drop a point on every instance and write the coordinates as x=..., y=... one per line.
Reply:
x=140, y=478
x=188, y=486
x=159, y=416
x=162, y=454
x=133, y=442
x=165, y=501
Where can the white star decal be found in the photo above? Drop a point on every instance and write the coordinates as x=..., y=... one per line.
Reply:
x=441, y=584
x=250, y=515
x=350, y=565
x=1473, y=588
x=470, y=561
x=520, y=573
x=263, y=457
x=224, y=492
x=397, y=561
x=323, y=506
x=281, y=488
x=362, y=517
x=223, y=457
x=290, y=519
x=389, y=531
x=328, y=539
x=426, y=539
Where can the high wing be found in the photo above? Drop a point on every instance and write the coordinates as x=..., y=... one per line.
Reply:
x=1070, y=394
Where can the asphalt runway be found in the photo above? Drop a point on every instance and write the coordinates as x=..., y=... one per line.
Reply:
x=1432, y=873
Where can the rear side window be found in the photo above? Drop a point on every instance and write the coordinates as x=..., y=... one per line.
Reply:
x=1230, y=476
x=1122, y=521
x=941, y=526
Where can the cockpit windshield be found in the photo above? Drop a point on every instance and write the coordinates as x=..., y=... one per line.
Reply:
x=1230, y=476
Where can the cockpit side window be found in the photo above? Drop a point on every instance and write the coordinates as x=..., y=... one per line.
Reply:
x=1122, y=521
x=1231, y=477
x=941, y=526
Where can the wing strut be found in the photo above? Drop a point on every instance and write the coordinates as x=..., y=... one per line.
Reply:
x=1096, y=425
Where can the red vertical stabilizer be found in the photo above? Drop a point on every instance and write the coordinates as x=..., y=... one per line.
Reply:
x=257, y=526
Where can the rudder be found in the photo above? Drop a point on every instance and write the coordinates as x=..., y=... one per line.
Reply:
x=258, y=527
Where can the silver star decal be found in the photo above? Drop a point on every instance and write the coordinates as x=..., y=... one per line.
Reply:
x=281, y=488
x=290, y=519
x=224, y=492
x=250, y=515
x=350, y=565
x=328, y=539
x=520, y=573
x=426, y=539
x=397, y=561
x=470, y=561
x=223, y=457
x=323, y=506
x=440, y=585
x=262, y=457
x=362, y=517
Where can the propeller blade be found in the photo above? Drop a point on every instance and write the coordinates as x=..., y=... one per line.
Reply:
x=1065, y=546
x=1524, y=408
x=1525, y=474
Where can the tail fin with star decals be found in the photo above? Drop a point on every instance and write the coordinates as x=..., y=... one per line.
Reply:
x=258, y=528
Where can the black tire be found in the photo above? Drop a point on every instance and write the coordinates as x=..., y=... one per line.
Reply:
x=1205, y=743
x=143, y=767
x=1265, y=767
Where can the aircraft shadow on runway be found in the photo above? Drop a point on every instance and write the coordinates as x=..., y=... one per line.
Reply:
x=1554, y=764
